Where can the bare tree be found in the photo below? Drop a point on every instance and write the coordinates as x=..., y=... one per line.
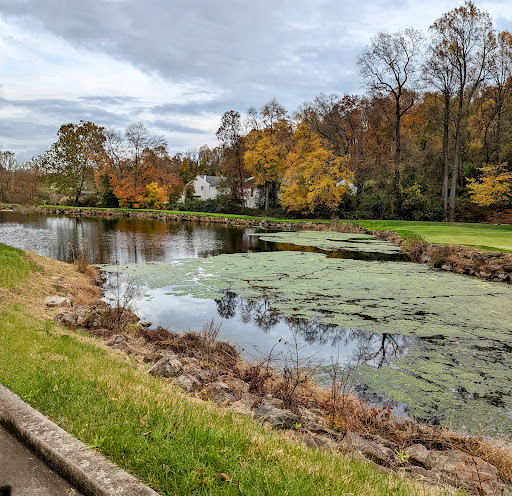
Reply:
x=439, y=73
x=271, y=113
x=139, y=138
x=114, y=149
x=8, y=164
x=500, y=91
x=252, y=121
x=8, y=167
x=334, y=118
x=390, y=66
x=466, y=40
x=232, y=163
x=18, y=180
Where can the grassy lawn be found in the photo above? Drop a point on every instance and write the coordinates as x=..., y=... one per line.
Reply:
x=175, y=444
x=14, y=267
x=484, y=236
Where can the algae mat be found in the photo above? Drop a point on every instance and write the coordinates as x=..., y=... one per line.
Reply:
x=457, y=371
x=333, y=241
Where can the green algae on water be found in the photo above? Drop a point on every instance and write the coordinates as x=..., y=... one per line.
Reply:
x=383, y=297
x=458, y=369
x=332, y=241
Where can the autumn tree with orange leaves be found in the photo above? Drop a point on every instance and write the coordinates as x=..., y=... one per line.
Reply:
x=135, y=161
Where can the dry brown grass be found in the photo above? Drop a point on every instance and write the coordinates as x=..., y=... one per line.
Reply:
x=349, y=227
x=352, y=414
x=198, y=345
x=33, y=290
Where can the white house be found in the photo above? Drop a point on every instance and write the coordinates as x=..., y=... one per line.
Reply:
x=251, y=193
x=206, y=187
x=209, y=187
x=348, y=184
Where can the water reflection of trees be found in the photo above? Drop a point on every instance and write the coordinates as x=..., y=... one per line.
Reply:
x=129, y=240
x=360, y=346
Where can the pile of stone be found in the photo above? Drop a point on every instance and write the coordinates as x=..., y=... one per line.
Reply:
x=453, y=468
x=493, y=266
x=308, y=426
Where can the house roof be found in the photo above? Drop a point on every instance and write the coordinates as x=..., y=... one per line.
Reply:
x=214, y=180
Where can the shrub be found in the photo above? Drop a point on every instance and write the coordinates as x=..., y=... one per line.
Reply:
x=195, y=206
x=414, y=245
x=467, y=211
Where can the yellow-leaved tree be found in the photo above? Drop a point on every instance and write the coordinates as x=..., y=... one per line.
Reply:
x=315, y=178
x=494, y=186
x=266, y=151
x=155, y=196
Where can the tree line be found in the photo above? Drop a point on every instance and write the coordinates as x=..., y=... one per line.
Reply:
x=431, y=139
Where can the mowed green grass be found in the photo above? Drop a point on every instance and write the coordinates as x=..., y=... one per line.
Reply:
x=152, y=429
x=14, y=267
x=484, y=236
x=185, y=212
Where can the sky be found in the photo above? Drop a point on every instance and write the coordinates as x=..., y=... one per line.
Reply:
x=178, y=65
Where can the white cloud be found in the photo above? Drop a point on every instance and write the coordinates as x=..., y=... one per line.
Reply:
x=184, y=62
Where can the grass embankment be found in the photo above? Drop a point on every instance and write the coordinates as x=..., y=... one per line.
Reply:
x=483, y=236
x=174, y=443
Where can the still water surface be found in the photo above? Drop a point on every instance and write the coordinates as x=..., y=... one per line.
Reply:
x=254, y=325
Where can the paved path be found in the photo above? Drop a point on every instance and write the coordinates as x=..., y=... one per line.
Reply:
x=26, y=473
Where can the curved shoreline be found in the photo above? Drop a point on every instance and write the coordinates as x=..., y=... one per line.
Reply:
x=490, y=265
x=185, y=217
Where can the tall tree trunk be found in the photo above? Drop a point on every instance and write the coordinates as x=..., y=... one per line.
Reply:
x=456, y=161
x=446, y=156
x=498, y=132
x=486, y=143
x=396, y=179
x=267, y=192
x=78, y=191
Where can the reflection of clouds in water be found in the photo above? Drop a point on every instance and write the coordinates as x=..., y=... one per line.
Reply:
x=256, y=327
x=26, y=238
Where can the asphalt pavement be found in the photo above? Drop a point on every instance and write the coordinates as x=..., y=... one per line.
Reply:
x=25, y=474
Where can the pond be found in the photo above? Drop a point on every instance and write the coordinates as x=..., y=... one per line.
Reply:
x=438, y=344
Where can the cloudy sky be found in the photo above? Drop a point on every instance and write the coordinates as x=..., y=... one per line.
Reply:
x=177, y=65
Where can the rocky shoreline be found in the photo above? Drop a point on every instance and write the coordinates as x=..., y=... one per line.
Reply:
x=213, y=370
x=167, y=217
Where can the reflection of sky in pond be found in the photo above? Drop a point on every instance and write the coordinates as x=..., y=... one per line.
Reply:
x=456, y=369
x=257, y=329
